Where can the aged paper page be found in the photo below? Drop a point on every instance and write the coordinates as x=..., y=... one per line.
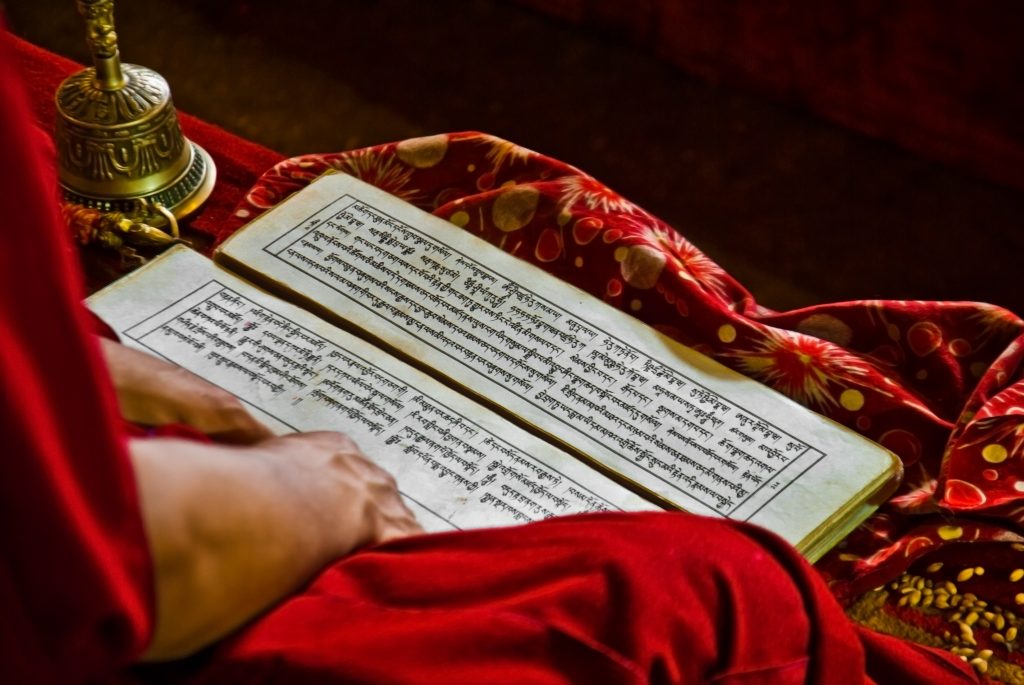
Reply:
x=457, y=464
x=674, y=422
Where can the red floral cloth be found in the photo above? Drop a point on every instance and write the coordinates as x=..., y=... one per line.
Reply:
x=938, y=383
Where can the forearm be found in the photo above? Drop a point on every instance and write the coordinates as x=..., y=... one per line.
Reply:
x=231, y=532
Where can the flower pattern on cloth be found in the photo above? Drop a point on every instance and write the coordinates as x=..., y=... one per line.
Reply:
x=940, y=384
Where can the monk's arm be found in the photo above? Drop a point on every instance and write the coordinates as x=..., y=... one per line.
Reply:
x=232, y=530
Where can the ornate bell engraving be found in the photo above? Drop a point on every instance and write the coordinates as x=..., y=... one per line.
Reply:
x=117, y=134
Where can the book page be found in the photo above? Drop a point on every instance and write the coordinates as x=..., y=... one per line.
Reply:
x=677, y=423
x=457, y=464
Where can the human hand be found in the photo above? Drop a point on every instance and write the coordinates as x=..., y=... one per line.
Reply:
x=232, y=529
x=153, y=392
x=362, y=504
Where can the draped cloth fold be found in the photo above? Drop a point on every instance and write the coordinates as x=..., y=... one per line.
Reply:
x=600, y=598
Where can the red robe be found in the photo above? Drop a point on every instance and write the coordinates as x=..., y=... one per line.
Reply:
x=605, y=598
x=75, y=586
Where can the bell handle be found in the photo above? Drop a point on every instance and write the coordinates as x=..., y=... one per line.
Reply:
x=102, y=41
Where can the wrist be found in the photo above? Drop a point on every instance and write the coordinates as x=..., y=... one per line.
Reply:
x=229, y=537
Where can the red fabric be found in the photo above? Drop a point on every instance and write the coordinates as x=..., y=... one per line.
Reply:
x=75, y=583
x=608, y=598
x=939, y=79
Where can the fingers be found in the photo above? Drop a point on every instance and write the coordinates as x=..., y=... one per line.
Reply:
x=213, y=410
x=403, y=526
x=233, y=424
x=385, y=515
x=370, y=508
x=400, y=530
x=154, y=392
x=325, y=440
x=242, y=435
x=395, y=520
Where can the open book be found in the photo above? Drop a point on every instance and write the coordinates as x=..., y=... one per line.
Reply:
x=494, y=392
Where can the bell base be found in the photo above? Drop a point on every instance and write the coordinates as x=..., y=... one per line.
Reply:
x=181, y=197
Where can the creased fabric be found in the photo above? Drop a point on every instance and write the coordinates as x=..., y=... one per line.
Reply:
x=598, y=598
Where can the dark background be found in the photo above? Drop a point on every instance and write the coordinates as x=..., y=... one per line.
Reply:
x=800, y=210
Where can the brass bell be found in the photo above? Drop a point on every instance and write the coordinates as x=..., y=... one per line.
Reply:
x=119, y=144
